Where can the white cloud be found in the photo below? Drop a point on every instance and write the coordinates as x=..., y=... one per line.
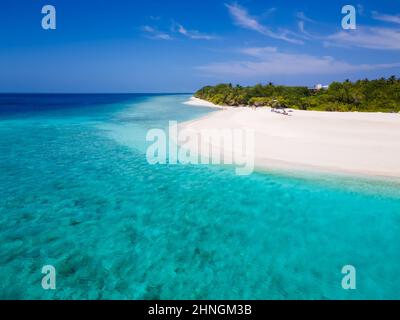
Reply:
x=386, y=17
x=258, y=51
x=193, y=34
x=367, y=37
x=242, y=19
x=269, y=12
x=153, y=33
x=301, y=24
x=303, y=17
x=270, y=62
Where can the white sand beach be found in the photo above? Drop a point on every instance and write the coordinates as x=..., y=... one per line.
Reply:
x=193, y=101
x=350, y=143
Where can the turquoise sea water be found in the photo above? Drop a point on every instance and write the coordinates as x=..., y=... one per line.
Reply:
x=77, y=193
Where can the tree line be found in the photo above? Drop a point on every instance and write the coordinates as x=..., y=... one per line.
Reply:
x=381, y=95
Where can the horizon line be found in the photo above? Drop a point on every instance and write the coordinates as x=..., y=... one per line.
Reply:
x=105, y=93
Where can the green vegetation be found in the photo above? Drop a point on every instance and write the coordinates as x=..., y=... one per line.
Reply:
x=381, y=95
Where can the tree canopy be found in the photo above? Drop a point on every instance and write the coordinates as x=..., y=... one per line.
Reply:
x=382, y=95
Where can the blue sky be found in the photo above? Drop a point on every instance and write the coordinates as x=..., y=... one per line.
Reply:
x=179, y=46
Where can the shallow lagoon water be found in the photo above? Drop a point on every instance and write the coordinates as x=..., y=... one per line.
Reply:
x=77, y=193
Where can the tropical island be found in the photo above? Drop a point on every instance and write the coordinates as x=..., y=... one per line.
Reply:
x=311, y=136
x=381, y=95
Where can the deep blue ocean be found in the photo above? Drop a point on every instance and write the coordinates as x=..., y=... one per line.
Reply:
x=77, y=192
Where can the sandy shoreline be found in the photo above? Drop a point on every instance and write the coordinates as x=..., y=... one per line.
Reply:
x=193, y=101
x=349, y=143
